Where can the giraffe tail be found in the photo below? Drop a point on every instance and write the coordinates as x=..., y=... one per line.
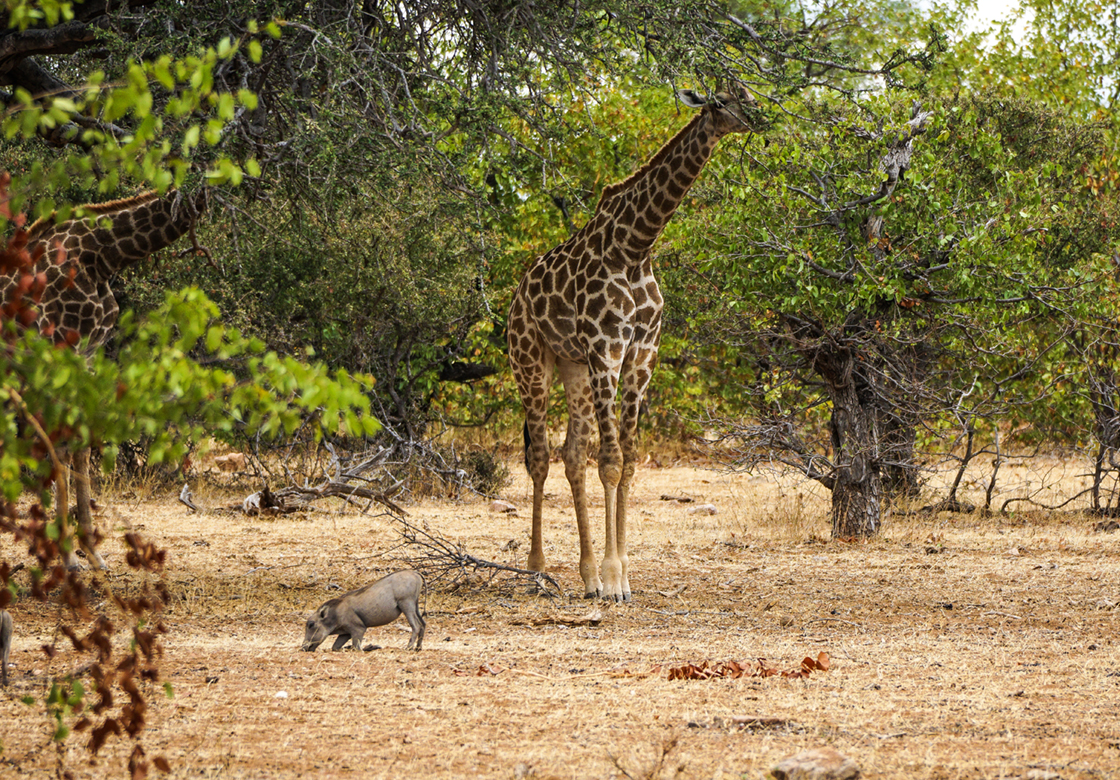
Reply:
x=528, y=443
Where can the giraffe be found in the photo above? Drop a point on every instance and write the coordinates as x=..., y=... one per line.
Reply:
x=78, y=258
x=590, y=309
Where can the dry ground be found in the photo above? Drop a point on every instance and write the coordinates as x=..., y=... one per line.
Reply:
x=961, y=647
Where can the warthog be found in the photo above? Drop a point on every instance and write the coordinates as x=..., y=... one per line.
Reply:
x=375, y=604
x=5, y=643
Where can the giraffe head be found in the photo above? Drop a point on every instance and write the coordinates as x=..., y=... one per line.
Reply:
x=731, y=112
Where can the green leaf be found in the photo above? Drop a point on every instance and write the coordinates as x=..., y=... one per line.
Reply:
x=214, y=338
x=190, y=138
x=248, y=98
x=226, y=106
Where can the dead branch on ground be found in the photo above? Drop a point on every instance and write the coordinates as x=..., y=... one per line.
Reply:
x=296, y=498
x=654, y=770
x=339, y=482
x=448, y=564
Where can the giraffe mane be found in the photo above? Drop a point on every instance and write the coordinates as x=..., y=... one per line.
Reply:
x=611, y=190
x=108, y=207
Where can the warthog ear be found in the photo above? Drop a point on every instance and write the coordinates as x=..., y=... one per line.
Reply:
x=322, y=613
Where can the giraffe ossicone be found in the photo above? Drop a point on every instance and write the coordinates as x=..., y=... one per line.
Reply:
x=590, y=310
x=78, y=258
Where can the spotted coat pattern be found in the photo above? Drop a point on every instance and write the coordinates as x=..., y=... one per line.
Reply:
x=590, y=310
x=78, y=259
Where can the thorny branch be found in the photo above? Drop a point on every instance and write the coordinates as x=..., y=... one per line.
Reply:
x=450, y=565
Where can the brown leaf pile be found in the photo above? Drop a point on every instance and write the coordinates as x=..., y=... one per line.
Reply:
x=760, y=668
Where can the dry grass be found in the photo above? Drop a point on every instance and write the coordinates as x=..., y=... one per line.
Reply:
x=962, y=647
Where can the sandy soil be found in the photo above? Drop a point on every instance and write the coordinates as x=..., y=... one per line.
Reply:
x=961, y=647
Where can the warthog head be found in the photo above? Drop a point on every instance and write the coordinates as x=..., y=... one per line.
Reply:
x=319, y=626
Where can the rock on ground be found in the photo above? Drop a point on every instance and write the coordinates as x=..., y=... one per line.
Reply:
x=823, y=763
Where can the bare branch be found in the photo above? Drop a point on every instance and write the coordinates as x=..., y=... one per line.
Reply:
x=447, y=563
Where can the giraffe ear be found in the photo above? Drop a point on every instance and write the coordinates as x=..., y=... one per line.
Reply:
x=691, y=98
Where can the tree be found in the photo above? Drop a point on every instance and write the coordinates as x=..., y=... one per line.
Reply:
x=878, y=267
x=1062, y=55
x=157, y=386
x=54, y=397
x=458, y=109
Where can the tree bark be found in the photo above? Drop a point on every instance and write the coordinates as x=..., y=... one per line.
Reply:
x=857, y=491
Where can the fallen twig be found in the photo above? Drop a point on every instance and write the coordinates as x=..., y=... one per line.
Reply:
x=339, y=483
x=443, y=561
x=860, y=626
x=616, y=673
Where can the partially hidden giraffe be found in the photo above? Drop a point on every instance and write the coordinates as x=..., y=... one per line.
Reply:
x=78, y=259
x=590, y=309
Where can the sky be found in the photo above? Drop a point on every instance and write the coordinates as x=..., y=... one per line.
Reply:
x=989, y=11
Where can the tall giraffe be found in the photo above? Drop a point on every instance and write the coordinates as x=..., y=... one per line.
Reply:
x=78, y=259
x=591, y=309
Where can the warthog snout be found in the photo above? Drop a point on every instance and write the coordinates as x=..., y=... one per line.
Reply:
x=316, y=630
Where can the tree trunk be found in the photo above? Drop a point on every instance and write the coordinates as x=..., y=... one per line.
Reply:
x=1106, y=427
x=857, y=489
x=901, y=477
x=899, y=414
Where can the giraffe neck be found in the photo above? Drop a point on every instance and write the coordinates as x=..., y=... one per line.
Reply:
x=137, y=229
x=641, y=205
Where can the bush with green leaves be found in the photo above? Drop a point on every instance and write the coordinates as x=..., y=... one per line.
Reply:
x=181, y=378
x=179, y=375
x=904, y=270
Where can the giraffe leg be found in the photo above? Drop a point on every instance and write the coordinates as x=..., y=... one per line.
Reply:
x=86, y=533
x=604, y=385
x=536, y=461
x=635, y=379
x=532, y=366
x=62, y=510
x=70, y=557
x=577, y=389
x=610, y=472
x=623, y=497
